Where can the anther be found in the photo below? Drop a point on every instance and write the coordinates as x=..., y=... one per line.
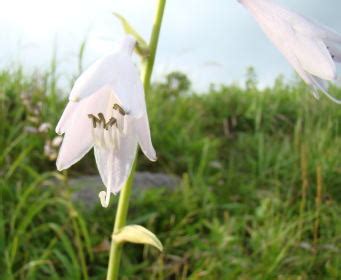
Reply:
x=119, y=109
x=111, y=123
x=94, y=120
x=101, y=118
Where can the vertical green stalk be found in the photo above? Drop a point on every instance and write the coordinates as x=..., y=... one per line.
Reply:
x=154, y=39
x=123, y=203
x=120, y=220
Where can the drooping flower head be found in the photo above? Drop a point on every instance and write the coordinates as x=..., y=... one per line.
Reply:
x=107, y=111
x=311, y=48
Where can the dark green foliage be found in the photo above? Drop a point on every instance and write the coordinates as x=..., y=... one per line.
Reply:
x=251, y=162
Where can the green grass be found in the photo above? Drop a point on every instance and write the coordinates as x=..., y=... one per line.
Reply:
x=259, y=195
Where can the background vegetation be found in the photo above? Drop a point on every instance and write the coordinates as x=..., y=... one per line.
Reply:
x=259, y=194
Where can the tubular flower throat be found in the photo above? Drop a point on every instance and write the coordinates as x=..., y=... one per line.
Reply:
x=107, y=111
x=311, y=48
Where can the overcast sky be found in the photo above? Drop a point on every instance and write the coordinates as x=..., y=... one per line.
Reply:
x=213, y=41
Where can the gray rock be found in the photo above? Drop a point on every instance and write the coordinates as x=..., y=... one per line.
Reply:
x=86, y=188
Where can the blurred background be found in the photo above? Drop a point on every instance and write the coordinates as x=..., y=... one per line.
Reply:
x=247, y=181
x=211, y=41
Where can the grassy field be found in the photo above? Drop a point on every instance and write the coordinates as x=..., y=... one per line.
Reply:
x=259, y=196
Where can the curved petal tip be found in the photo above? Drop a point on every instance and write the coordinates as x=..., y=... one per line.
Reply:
x=150, y=154
x=104, y=197
x=60, y=165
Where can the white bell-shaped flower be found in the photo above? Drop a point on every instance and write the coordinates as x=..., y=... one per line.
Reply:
x=107, y=111
x=311, y=48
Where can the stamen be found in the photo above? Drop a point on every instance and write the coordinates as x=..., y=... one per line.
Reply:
x=119, y=109
x=94, y=120
x=110, y=138
x=107, y=134
x=111, y=123
x=93, y=132
x=102, y=119
x=125, y=126
x=115, y=139
x=100, y=137
x=109, y=144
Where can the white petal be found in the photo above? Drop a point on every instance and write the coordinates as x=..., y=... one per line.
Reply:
x=292, y=59
x=326, y=32
x=142, y=131
x=308, y=27
x=308, y=46
x=114, y=166
x=270, y=18
x=78, y=139
x=314, y=57
x=318, y=83
x=99, y=74
x=116, y=70
x=331, y=35
x=66, y=117
x=127, y=44
x=335, y=52
x=300, y=24
x=119, y=72
x=315, y=82
x=129, y=89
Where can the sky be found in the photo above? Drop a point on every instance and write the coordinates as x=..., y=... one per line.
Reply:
x=212, y=41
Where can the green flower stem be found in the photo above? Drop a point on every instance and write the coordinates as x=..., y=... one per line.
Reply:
x=123, y=203
x=120, y=220
x=154, y=39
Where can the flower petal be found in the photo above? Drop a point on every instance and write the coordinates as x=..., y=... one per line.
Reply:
x=335, y=52
x=318, y=84
x=73, y=150
x=326, y=32
x=129, y=89
x=314, y=57
x=78, y=139
x=315, y=82
x=116, y=69
x=99, y=74
x=64, y=121
x=114, y=165
x=142, y=131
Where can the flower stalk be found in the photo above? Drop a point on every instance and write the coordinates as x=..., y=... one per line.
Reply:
x=123, y=203
x=154, y=39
